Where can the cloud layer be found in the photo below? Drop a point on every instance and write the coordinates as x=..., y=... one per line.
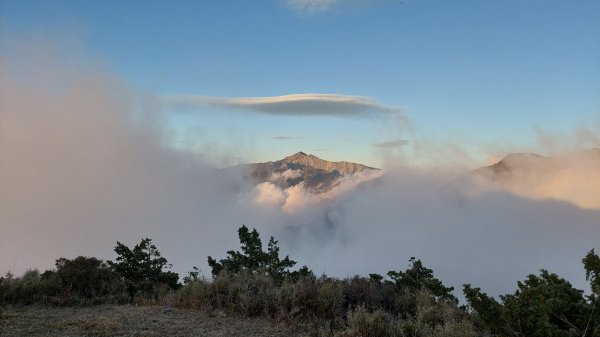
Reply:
x=289, y=105
x=84, y=164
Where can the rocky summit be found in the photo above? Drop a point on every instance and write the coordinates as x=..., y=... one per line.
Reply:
x=316, y=174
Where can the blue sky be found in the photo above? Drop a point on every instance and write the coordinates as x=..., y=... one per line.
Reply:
x=476, y=73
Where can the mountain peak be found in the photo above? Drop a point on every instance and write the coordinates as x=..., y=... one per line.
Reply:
x=297, y=155
x=316, y=174
x=344, y=167
x=522, y=158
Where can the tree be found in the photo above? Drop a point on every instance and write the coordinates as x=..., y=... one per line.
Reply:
x=417, y=277
x=544, y=305
x=142, y=268
x=253, y=258
x=487, y=311
x=591, y=263
x=276, y=267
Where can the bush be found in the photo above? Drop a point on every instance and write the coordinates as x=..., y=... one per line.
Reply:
x=432, y=319
x=142, y=270
x=418, y=277
x=378, y=323
x=363, y=291
x=253, y=259
x=31, y=288
x=79, y=281
x=330, y=300
x=544, y=305
x=88, y=278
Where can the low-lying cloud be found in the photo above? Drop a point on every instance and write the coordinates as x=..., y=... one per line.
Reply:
x=286, y=137
x=392, y=143
x=298, y=198
x=86, y=164
x=289, y=105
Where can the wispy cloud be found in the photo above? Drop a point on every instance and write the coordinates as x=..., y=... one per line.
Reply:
x=312, y=6
x=391, y=143
x=286, y=137
x=320, y=6
x=290, y=105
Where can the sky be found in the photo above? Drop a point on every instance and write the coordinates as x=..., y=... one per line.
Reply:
x=116, y=118
x=484, y=76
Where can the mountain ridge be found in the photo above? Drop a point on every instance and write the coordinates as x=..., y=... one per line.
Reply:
x=316, y=174
x=318, y=163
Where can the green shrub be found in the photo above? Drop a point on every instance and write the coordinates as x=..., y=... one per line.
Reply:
x=195, y=294
x=32, y=287
x=304, y=297
x=253, y=259
x=432, y=319
x=79, y=281
x=3, y=287
x=418, y=277
x=142, y=270
x=436, y=318
x=241, y=293
x=88, y=278
x=544, y=305
x=362, y=323
x=257, y=295
x=368, y=292
x=330, y=300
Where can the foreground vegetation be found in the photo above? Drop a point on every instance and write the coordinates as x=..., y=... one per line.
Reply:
x=253, y=283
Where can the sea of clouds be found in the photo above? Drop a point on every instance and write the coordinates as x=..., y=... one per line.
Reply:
x=86, y=161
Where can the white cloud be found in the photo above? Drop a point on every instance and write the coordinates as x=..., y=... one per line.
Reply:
x=286, y=137
x=312, y=6
x=392, y=143
x=290, y=105
x=320, y=6
x=268, y=194
x=297, y=198
x=291, y=174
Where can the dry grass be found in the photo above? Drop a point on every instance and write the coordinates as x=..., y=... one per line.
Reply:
x=138, y=321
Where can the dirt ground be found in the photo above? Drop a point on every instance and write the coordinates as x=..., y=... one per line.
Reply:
x=138, y=321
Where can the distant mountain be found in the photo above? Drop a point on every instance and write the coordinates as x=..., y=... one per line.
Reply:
x=573, y=177
x=316, y=174
x=513, y=163
x=530, y=163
